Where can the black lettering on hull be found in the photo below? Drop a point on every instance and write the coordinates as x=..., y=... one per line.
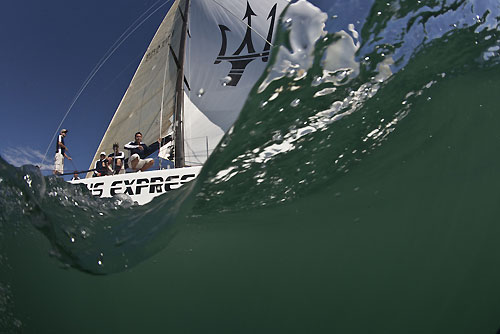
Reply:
x=155, y=185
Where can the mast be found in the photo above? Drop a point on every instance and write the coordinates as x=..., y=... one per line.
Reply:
x=179, y=89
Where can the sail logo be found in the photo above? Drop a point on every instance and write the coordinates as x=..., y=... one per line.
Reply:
x=239, y=61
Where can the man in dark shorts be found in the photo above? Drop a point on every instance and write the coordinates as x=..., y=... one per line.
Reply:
x=102, y=166
x=117, y=160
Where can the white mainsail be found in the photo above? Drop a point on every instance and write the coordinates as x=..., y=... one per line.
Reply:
x=227, y=49
x=226, y=54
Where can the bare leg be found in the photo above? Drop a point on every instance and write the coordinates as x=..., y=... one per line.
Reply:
x=118, y=166
x=134, y=163
x=148, y=165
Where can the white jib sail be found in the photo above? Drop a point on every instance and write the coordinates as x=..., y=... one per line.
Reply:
x=227, y=51
x=153, y=82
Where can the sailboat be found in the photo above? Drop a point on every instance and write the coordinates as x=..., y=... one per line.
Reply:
x=192, y=82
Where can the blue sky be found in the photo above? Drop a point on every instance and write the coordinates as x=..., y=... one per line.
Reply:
x=48, y=50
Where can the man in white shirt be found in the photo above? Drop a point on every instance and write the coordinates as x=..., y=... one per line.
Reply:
x=139, y=152
x=60, y=153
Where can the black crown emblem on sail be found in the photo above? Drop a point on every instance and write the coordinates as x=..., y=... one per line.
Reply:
x=238, y=60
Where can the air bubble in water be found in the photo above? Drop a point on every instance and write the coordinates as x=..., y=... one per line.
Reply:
x=295, y=103
x=100, y=258
x=317, y=81
x=277, y=136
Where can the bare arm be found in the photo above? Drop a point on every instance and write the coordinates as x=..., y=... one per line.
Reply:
x=61, y=145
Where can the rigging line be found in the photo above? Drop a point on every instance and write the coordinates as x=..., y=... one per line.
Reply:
x=111, y=49
x=121, y=40
x=163, y=98
x=163, y=89
x=133, y=23
x=125, y=68
x=98, y=67
x=73, y=164
x=123, y=34
x=187, y=64
x=236, y=16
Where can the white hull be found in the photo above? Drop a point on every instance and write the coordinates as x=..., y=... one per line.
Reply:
x=141, y=187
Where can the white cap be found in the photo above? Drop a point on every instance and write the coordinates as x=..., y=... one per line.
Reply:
x=103, y=153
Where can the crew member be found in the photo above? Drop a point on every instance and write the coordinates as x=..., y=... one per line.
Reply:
x=60, y=153
x=102, y=166
x=117, y=160
x=139, y=152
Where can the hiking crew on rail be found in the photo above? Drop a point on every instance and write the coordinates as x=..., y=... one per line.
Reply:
x=139, y=152
x=114, y=163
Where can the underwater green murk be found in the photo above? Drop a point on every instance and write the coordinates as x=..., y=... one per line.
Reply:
x=357, y=191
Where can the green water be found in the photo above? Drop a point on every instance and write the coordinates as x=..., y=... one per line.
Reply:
x=403, y=238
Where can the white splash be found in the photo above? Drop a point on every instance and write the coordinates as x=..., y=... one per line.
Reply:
x=339, y=64
x=306, y=23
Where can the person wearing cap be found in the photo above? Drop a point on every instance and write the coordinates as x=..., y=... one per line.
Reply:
x=60, y=153
x=117, y=160
x=139, y=152
x=102, y=166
